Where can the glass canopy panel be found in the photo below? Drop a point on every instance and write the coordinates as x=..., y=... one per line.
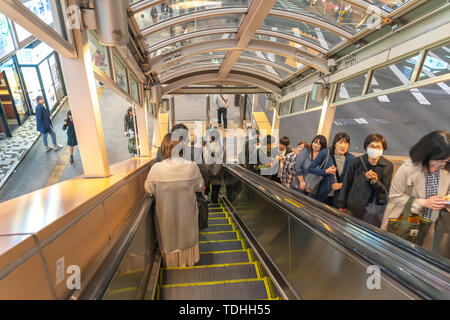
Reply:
x=286, y=42
x=184, y=66
x=195, y=40
x=302, y=30
x=436, y=63
x=342, y=14
x=225, y=21
x=387, y=5
x=394, y=75
x=172, y=9
x=351, y=88
x=288, y=62
x=263, y=67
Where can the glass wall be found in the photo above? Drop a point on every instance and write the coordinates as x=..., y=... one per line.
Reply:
x=134, y=89
x=15, y=88
x=401, y=117
x=6, y=41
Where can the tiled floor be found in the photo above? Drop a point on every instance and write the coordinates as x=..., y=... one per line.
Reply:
x=12, y=150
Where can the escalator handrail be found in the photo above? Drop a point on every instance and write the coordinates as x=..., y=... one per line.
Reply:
x=96, y=287
x=431, y=278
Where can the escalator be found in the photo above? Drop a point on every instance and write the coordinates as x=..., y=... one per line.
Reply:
x=269, y=242
x=227, y=269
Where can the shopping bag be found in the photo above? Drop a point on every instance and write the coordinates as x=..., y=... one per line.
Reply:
x=202, y=202
x=410, y=226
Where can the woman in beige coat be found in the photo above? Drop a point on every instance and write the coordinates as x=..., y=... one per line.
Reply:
x=173, y=183
x=426, y=177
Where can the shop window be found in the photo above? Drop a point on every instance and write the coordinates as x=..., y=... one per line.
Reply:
x=394, y=75
x=351, y=88
x=436, y=63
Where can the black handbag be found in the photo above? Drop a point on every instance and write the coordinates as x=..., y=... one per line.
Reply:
x=202, y=202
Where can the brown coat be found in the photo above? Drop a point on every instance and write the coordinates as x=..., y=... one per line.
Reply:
x=410, y=180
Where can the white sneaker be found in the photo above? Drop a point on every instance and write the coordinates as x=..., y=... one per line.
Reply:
x=57, y=147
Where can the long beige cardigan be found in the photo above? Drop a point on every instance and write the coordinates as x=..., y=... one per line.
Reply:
x=410, y=180
x=173, y=183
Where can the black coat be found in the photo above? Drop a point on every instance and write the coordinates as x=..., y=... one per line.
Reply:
x=71, y=135
x=357, y=189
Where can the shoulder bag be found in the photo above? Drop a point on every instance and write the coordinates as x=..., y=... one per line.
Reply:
x=313, y=180
x=410, y=226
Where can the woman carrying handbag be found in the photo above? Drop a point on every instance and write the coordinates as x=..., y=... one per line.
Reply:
x=424, y=177
x=366, y=185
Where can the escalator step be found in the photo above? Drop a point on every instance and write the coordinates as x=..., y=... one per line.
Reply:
x=215, y=210
x=218, y=236
x=213, y=205
x=212, y=221
x=240, y=290
x=225, y=227
x=223, y=258
x=217, y=215
x=210, y=273
x=223, y=245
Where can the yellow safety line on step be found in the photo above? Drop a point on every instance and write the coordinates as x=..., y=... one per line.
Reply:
x=223, y=251
x=295, y=203
x=226, y=240
x=266, y=284
x=218, y=232
x=218, y=218
x=220, y=224
x=121, y=290
x=211, y=265
x=208, y=283
x=129, y=272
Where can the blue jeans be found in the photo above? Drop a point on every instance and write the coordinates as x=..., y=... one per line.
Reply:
x=44, y=137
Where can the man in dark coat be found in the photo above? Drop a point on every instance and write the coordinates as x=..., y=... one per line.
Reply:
x=44, y=124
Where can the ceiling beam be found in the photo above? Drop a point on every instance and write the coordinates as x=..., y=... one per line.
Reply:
x=257, y=12
x=189, y=17
x=247, y=80
x=270, y=77
x=224, y=90
x=179, y=55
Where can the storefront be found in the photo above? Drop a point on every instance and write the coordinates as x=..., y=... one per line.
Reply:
x=41, y=71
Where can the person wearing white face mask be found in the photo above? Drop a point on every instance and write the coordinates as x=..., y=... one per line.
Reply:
x=366, y=185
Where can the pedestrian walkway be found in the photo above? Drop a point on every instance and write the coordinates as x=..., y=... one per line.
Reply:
x=14, y=149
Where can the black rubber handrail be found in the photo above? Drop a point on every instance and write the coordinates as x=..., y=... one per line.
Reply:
x=423, y=272
x=97, y=286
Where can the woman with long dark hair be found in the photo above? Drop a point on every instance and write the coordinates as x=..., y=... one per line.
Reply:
x=303, y=161
x=332, y=165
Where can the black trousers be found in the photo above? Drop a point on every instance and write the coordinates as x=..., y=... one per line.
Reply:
x=222, y=112
x=216, y=190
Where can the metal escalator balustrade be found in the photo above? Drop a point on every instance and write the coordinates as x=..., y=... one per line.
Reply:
x=227, y=269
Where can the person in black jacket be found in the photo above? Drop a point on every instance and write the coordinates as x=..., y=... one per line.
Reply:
x=366, y=185
x=71, y=135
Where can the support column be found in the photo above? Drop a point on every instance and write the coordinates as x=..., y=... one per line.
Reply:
x=172, y=110
x=254, y=107
x=156, y=131
x=83, y=99
x=327, y=116
x=275, y=123
x=242, y=109
x=208, y=111
x=142, y=130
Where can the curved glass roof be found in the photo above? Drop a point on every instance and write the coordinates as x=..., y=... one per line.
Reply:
x=294, y=35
